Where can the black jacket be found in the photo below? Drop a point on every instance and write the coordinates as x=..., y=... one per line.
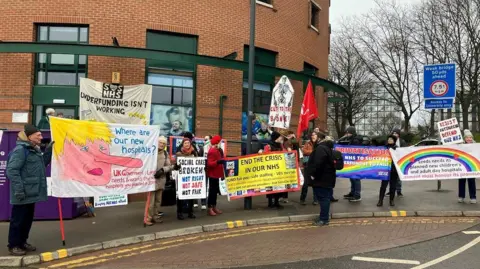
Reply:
x=353, y=140
x=320, y=166
x=393, y=170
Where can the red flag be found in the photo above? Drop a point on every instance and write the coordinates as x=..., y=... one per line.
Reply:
x=309, y=110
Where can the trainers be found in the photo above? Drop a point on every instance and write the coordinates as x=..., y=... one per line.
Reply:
x=353, y=199
x=473, y=201
x=315, y=203
x=400, y=194
x=160, y=214
x=461, y=200
x=204, y=207
x=16, y=251
x=195, y=205
x=333, y=200
x=302, y=202
x=29, y=248
x=285, y=201
x=320, y=223
x=348, y=196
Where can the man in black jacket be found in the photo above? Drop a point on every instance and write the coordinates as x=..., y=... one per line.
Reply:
x=351, y=138
x=321, y=176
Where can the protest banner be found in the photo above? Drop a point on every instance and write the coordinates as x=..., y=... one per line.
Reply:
x=114, y=103
x=191, y=179
x=110, y=200
x=96, y=158
x=437, y=162
x=365, y=162
x=261, y=174
x=176, y=141
x=450, y=132
x=281, y=104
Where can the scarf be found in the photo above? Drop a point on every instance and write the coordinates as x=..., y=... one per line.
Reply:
x=188, y=151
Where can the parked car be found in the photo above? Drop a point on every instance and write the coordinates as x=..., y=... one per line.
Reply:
x=428, y=142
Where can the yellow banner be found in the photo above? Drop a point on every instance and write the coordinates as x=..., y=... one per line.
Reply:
x=262, y=174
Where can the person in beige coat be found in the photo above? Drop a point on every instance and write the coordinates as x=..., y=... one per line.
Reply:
x=163, y=168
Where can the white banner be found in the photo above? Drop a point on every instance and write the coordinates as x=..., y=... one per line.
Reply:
x=437, y=162
x=281, y=105
x=450, y=132
x=110, y=200
x=96, y=158
x=115, y=103
x=191, y=181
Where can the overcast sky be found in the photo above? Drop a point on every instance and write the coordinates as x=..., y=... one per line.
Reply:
x=345, y=8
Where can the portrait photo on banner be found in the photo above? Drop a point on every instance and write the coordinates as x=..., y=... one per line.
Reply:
x=173, y=120
x=259, y=126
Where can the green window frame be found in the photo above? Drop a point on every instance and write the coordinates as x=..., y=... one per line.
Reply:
x=61, y=69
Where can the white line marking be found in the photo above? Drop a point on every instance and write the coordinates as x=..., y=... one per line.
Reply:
x=471, y=232
x=366, y=259
x=449, y=255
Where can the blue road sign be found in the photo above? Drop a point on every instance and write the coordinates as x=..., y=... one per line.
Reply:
x=439, y=81
x=439, y=103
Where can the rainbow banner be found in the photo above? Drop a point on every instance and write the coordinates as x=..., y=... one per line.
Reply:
x=438, y=162
x=365, y=162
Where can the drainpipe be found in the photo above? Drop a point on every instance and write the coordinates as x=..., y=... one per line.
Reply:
x=220, y=123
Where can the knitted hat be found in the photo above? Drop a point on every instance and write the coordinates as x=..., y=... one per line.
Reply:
x=215, y=140
x=162, y=139
x=467, y=133
x=397, y=130
x=30, y=129
x=351, y=130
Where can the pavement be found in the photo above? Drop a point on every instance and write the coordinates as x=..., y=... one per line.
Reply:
x=277, y=245
x=127, y=221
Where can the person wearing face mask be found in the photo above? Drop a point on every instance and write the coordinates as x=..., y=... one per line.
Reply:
x=472, y=187
x=391, y=144
x=28, y=185
x=163, y=168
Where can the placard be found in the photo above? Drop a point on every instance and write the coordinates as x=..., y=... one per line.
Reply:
x=281, y=104
x=191, y=179
x=450, y=132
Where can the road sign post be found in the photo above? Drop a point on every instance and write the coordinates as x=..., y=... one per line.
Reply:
x=439, y=88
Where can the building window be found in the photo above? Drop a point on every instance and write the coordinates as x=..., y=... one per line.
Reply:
x=314, y=15
x=61, y=69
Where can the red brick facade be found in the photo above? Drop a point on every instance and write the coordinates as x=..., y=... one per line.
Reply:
x=222, y=27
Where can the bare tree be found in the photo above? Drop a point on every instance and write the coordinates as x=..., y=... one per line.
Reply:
x=384, y=123
x=384, y=43
x=347, y=69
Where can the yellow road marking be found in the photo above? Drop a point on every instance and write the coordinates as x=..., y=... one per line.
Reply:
x=403, y=213
x=239, y=223
x=230, y=224
x=394, y=213
x=47, y=256
x=62, y=253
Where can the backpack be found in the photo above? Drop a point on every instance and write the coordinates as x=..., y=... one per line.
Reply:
x=337, y=159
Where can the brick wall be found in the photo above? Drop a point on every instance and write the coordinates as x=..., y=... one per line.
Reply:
x=222, y=28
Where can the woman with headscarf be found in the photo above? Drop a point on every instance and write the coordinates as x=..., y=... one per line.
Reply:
x=391, y=144
x=186, y=150
x=472, y=188
x=215, y=173
x=275, y=144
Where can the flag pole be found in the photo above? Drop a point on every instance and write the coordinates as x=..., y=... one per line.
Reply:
x=60, y=214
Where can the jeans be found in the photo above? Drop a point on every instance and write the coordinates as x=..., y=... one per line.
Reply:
x=356, y=188
x=399, y=186
x=323, y=196
x=186, y=203
x=472, y=188
x=303, y=195
x=20, y=224
x=213, y=190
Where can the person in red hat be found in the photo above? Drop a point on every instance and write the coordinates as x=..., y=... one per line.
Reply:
x=215, y=172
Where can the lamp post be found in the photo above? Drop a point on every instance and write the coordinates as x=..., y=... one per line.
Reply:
x=247, y=202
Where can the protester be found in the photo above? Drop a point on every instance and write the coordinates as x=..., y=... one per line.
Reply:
x=203, y=153
x=191, y=137
x=215, y=173
x=400, y=144
x=391, y=144
x=290, y=143
x=350, y=138
x=472, y=187
x=28, y=185
x=308, y=149
x=275, y=144
x=44, y=123
x=186, y=150
x=60, y=115
x=163, y=168
x=321, y=175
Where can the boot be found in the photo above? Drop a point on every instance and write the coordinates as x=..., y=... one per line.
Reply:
x=217, y=211
x=380, y=197
x=277, y=204
x=191, y=215
x=380, y=202
x=392, y=197
x=180, y=216
x=210, y=212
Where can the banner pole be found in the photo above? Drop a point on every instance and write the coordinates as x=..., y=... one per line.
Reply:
x=62, y=228
x=146, y=210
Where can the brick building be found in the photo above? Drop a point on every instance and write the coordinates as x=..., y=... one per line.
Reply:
x=290, y=34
